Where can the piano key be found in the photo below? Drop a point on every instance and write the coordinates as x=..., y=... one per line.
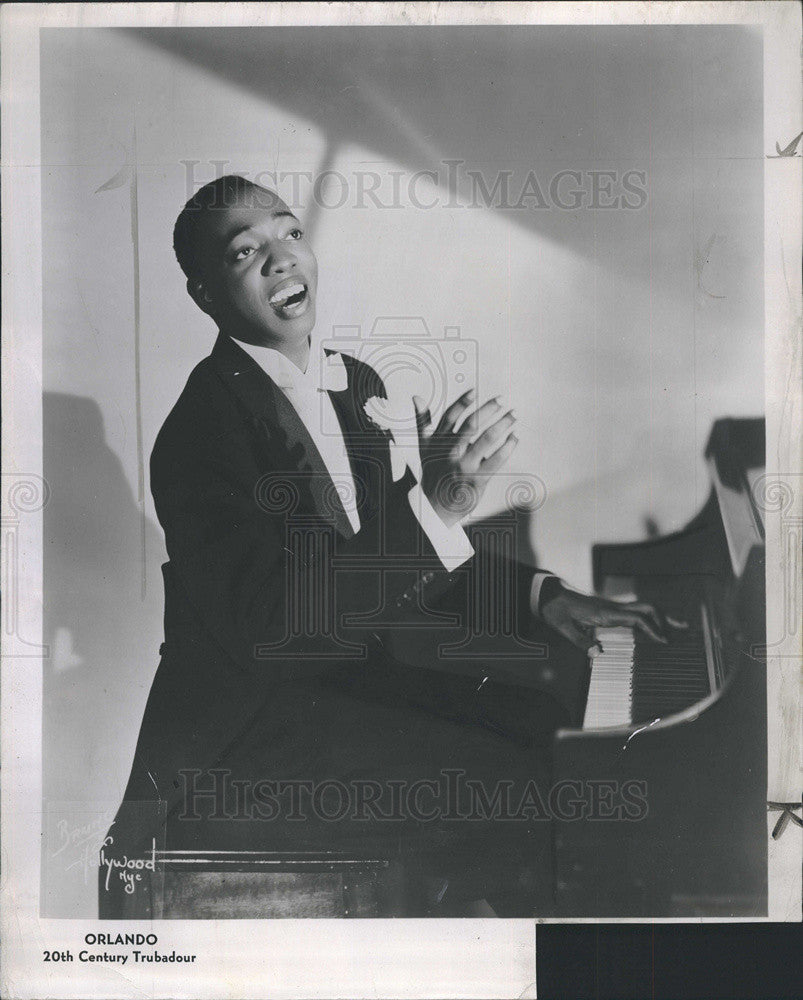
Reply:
x=635, y=679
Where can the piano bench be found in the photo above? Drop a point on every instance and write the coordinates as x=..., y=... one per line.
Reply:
x=250, y=885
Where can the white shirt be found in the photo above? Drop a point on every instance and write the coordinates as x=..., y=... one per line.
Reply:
x=307, y=392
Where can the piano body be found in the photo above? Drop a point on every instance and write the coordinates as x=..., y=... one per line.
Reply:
x=685, y=725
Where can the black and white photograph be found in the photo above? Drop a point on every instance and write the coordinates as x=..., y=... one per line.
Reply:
x=415, y=478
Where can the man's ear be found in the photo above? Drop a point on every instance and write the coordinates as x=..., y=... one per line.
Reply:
x=200, y=295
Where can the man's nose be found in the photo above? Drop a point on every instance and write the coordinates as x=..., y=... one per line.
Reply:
x=279, y=261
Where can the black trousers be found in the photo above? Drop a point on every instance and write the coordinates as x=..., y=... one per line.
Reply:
x=379, y=757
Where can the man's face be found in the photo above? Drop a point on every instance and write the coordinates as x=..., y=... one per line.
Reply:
x=260, y=274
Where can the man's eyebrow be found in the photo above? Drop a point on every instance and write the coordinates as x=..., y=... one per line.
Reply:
x=239, y=230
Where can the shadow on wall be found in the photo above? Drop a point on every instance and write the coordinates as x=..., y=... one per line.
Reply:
x=369, y=87
x=103, y=634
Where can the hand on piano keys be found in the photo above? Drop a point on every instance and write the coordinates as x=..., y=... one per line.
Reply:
x=637, y=670
x=578, y=616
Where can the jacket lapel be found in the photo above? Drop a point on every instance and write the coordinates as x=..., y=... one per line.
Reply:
x=367, y=445
x=274, y=417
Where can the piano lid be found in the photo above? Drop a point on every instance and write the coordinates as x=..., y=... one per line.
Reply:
x=736, y=456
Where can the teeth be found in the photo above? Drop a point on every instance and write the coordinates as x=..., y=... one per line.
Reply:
x=283, y=294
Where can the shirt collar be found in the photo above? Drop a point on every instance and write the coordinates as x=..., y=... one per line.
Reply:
x=325, y=372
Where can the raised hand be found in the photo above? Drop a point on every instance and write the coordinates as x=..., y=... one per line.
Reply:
x=456, y=460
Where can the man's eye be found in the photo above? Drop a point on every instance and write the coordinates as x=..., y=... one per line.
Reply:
x=242, y=253
x=295, y=234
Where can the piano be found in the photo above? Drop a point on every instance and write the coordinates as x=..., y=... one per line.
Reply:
x=682, y=727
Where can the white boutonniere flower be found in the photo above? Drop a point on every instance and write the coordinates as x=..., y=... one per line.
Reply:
x=396, y=415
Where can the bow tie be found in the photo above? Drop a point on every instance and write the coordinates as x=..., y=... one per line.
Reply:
x=325, y=373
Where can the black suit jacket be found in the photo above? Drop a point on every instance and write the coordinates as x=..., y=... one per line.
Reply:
x=266, y=581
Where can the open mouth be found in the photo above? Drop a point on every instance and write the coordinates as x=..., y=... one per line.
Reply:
x=290, y=299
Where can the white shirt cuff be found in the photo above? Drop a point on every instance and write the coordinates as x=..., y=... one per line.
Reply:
x=535, y=589
x=451, y=544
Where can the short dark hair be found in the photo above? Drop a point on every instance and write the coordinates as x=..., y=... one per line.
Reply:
x=220, y=193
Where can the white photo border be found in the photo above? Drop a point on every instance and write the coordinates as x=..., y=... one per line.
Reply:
x=366, y=958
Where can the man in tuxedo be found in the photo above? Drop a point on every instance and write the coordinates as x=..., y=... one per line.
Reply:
x=305, y=546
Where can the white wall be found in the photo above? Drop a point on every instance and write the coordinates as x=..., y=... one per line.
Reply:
x=619, y=336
